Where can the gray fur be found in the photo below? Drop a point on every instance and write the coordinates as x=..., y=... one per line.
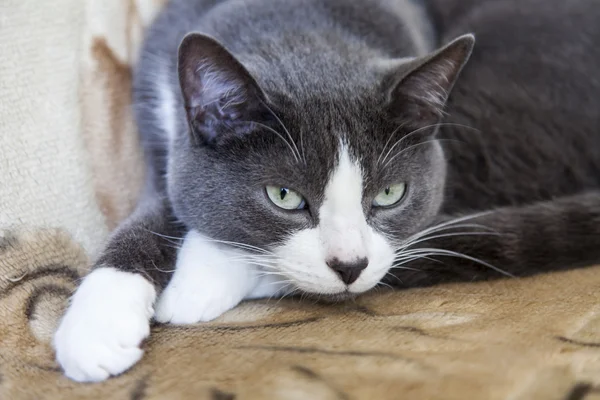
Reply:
x=527, y=147
x=365, y=71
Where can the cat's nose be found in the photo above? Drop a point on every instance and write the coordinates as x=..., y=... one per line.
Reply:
x=348, y=271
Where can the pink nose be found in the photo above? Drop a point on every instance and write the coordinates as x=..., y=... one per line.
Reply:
x=348, y=271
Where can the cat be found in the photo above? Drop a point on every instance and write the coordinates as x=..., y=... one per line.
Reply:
x=521, y=138
x=324, y=146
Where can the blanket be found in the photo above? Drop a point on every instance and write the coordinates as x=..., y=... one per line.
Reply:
x=71, y=169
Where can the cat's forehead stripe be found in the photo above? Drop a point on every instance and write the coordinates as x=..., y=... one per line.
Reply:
x=346, y=182
x=342, y=220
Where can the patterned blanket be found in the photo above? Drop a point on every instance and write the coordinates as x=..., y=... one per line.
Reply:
x=70, y=169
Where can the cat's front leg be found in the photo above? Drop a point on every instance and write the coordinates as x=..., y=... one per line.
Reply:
x=211, y=278
x=109, y=315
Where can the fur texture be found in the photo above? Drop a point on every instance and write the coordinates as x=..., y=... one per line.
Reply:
x=338, y=101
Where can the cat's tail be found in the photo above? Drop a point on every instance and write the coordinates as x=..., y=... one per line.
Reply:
x=513, y=241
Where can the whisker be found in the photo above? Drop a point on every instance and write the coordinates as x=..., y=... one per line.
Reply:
x=420, y=130
x=169, y=239
x=416, y=145
x=394, y=276
x=388, y=142
x=386, y=284
x=240, y=245
x=267, y=257
x=406, y=261
x=278, y=134
x=258, y=264
x=449, y=253
x=163, y=236
x=288, y=294
x=452, y=222
x=421, y=235
x=283, y=126
x=426, y=238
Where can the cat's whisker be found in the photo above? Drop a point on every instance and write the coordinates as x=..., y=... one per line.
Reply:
x=165, y=271
x=416, y=145
x=399, y=265
x=407, y=254
x=404, y=150
x=284, y=128
x=170, y=239
x=411, y=253
x=388, y=142
x=286, y=281
x=386, y=284
x=437, y=229
x=302, y=145
x=251, y=252
x=408, y=259
x=450, y=253
x=394, y=276
x=399, y=141
x=257, y=264
x=280, y=136
x=456, y=124
x=423, y=235
x=419, y=130
x=260, y=274
x=452, y=224
x=456, y=226
x=163, y=236
x=240, y=245
x=426, y=238
x=286, y=293
x=264, y=257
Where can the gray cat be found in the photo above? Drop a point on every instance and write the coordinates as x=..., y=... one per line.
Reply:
x=310, y=146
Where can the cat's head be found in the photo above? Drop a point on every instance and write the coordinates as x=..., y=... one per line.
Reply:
x=329, y=183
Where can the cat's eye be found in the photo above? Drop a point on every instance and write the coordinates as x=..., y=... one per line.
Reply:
x=390, y=195
x=285, y=198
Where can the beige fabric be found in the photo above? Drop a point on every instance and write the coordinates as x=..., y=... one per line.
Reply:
x=109, y=131
x=520, y=340
x=44, y=172
x=70, y=170
x=70, y=157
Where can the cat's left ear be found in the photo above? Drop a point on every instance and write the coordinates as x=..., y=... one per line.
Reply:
x=420, y=89
x=218, y=91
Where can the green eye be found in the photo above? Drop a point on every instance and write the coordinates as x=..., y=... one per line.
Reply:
x=390, y=195
x=285, y=198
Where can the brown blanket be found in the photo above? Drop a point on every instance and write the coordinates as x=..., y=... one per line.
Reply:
x=516, y=339
x=70, y=169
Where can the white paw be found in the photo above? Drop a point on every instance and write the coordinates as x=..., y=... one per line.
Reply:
x=101, y=332
x=209, y=279
x=186, y=303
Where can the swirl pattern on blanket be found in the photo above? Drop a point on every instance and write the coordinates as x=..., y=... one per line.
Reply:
x=525, y=339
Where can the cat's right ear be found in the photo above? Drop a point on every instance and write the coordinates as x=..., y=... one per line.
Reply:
x=219, y=93
x=420, y=87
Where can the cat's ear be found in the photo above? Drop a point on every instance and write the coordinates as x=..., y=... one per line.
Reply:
x=420, y=89
x=217, y=89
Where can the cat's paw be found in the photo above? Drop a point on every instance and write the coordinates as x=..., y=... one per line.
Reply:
x=209, y=279
x=187, y=303
x=101, y=332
